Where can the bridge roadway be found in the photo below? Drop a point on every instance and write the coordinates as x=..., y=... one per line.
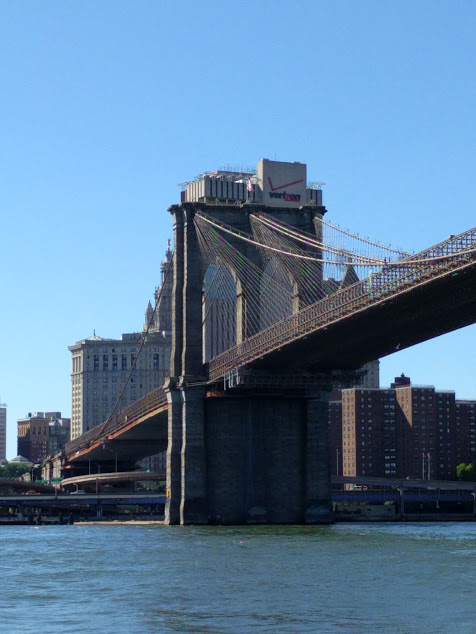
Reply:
x=396, y=308
x=21, y=485
x=391, y=489
x=361, y=323
x=394, y=489
x=90, y=499
x=101, y=479
x=403, y=483
x=71, y=500
x=137, y=431
x=396, y=496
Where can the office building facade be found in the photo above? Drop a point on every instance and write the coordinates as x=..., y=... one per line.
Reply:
x=114, y=372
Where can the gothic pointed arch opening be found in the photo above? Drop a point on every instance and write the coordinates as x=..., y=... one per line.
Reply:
x=219, y=294
x=275, y=279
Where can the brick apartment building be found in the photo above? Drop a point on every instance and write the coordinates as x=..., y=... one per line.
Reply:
x=42, y=434
x=401, y=431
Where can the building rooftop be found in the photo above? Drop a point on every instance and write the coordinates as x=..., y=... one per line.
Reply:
x=20, y=459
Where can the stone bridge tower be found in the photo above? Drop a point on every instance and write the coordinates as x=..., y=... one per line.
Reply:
x=259, y=453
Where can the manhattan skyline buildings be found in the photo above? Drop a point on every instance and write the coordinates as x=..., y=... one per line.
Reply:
x=379, y=106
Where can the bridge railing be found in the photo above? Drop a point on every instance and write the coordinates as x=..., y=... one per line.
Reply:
x=147, y=404
x=393, y=279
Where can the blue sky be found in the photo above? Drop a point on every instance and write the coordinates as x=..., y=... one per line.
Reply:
x=106, y=106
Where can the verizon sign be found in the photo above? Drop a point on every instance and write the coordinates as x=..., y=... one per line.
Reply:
x=283, y=184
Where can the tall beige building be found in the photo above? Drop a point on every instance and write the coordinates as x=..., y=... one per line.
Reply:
x=101, y=367
x=3, y=432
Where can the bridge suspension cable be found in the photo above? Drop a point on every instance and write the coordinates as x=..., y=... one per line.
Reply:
x=370, y=263
x=312, y=241
x=359, y=238
x=102, y=428
x=288, y=278
x=388, y=283
x=224, y=258
x=302, y=256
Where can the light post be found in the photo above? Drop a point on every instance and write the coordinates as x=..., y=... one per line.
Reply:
x=32, y=472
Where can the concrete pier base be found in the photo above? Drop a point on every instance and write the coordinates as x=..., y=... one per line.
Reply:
x=267, y=459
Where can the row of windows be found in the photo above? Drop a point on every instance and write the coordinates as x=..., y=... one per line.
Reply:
x=125, y=362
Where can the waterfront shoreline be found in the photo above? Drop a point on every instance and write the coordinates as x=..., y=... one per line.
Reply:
x=121, y=522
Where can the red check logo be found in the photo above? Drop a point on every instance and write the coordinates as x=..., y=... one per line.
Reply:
x=274, y=189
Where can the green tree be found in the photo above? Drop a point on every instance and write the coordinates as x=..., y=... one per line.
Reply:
x=13, y=471
x=466, y=472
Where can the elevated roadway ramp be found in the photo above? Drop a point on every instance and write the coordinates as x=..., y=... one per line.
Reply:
x=133, y=440
x=101, y=479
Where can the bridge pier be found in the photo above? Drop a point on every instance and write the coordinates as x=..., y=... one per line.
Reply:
x=244, y=457
x=318, y=468
x=193, y=505
x=268, y=458
x=186, y=459
x=174, y=451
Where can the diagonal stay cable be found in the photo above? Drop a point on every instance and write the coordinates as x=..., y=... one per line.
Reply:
x=309, y=240
x=101, y=429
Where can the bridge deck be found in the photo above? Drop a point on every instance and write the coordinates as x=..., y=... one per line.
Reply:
x=396, y=308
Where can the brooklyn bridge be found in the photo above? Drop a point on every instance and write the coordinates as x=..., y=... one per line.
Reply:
x=272, y=307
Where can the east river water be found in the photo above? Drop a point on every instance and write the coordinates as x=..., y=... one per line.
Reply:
x=138, y=579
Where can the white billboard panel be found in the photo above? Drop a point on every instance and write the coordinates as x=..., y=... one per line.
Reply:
x=283, y=184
